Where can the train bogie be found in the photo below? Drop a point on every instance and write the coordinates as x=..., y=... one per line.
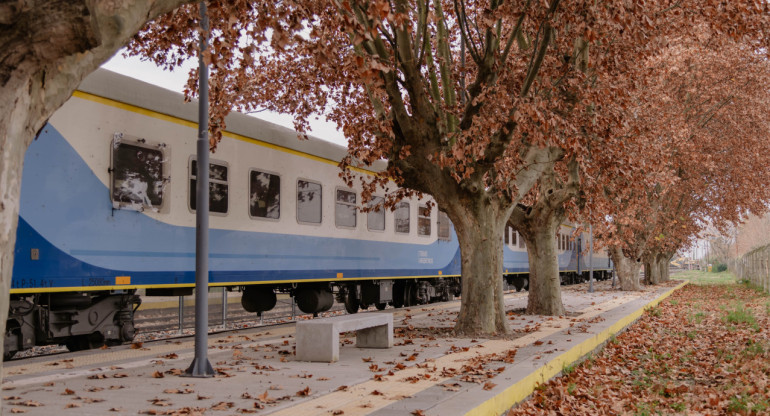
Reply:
x=80, y=320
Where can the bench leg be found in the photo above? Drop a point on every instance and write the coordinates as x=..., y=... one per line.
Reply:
x=375, y=337
x=318, y=344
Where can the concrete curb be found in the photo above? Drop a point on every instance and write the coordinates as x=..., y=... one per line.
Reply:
x=520, y=390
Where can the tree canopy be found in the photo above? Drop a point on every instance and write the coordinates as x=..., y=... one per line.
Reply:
x=471, y=102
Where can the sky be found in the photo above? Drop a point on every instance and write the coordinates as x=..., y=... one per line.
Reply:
x=175, y=81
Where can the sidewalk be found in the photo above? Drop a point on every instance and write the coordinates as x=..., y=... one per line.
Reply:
x=427, y=372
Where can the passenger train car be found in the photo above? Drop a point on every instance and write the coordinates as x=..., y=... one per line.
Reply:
x=108, y=207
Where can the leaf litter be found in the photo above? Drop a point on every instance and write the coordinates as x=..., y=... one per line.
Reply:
x=705, y=350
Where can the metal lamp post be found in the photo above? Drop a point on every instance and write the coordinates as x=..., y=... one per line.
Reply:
x=201, y=367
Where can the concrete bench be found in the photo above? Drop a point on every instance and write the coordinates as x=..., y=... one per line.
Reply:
x=319, y=339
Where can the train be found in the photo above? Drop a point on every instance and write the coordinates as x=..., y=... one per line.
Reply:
x=107, y=212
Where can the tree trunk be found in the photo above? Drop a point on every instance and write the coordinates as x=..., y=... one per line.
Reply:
x=652, y=269
x=663, y=261
x=539, y=233
x=628, y=270
x=48, y=48
x=479, y=230
x=538, y=225
x=647, y=273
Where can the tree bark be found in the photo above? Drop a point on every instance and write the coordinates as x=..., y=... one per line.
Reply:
x=652, y=269
x=628, y=270
x=663, y=261
x=48, y=48
x=537, y=225
x=482, y=310
x=544, y=281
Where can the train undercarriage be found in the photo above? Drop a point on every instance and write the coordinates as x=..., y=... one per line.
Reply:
x=79, y=320
x=84, y=320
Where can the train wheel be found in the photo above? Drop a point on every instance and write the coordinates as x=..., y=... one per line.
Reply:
x=381, y=306
x=410, y=294
x=351, y=301
x=77, y=343
x=398, y=294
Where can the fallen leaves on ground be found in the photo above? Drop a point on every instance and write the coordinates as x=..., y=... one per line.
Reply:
x=704, y=350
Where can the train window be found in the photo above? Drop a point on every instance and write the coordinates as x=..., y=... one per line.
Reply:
x=513, y=237
x=375, y=220
x=507, y=235
x=423, y=220
x=443, y=224
x=137, y=176
x=401, y=217
x=345, y=209
x=264, y=195
x=218, y=186
x=308, y=202
x=522, y=244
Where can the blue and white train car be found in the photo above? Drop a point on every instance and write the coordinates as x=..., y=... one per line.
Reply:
x=108, y=207
x=572, y=252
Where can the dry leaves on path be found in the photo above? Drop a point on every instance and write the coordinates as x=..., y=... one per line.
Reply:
x=704, y=350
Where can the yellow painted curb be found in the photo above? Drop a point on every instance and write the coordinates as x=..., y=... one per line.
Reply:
x=523, y=388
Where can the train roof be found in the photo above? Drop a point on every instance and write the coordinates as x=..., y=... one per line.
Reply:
x=117, y=87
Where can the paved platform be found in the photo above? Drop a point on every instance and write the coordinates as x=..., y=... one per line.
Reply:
x=427, y=372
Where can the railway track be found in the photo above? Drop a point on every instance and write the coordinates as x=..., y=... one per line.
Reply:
x=167, y=319
x=162, y=324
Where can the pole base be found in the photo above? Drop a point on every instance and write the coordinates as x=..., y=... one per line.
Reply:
x=199, y=368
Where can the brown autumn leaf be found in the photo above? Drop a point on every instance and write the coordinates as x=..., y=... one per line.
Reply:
x=223, y=406
x=91, y=400
x=157, y=374
x=489, y=385
x=71, y=405
x=136, y=345
x=303, y=392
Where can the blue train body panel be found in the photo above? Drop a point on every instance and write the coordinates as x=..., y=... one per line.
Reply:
x=66, y=214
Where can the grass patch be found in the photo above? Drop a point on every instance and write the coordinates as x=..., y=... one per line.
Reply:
x=738, y=404
x=741, y=315
x=698, y=277
x=568, y=369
